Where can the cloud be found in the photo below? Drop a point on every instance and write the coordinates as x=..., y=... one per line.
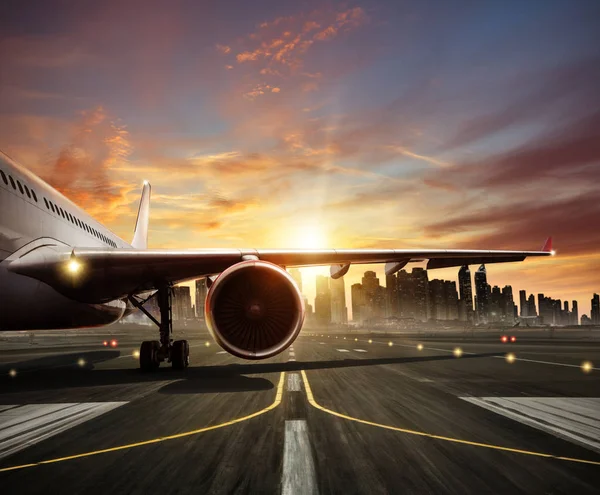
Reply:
x=224, y=49
x=82, y=168
x=277, y=49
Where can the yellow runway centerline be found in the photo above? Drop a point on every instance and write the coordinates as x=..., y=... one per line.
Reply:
x=313, y=402
x=276, y=402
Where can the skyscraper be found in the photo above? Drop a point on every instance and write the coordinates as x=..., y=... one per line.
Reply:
x=421, y=293
x=507, y=307
x=406, y=294
x=323, y=301
x=574, y=313
x=466, y=293
x=481, y=290
x=437, y=300
x=451, y=296
x=182, y=303
x=595, y=314
x=531, y=310
x=358, y=302
x=339, y=312
x=201, y=291
x=374, y=294
x=523, y=303
x=391, y=288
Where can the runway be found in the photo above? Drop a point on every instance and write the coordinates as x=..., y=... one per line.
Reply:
x=343, y=413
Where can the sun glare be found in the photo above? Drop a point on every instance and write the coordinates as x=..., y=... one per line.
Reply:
x=308, y=237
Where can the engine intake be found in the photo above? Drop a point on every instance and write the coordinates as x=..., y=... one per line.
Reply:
x=254, y=310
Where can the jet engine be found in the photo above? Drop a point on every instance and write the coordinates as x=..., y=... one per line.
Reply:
x=254, y=310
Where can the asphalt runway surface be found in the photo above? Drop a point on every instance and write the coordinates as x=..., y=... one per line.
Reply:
x=345, y=413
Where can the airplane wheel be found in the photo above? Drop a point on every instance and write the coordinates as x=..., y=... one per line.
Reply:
x=180, y=354
x=149, y=355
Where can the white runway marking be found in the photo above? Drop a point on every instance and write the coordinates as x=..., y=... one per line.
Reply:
x=360, y=350
x=222, y=352
x=322, y=343
x=298, y=475
x=342, y=350
x=291, y=359
x=293, y=383
x=25, y=425
x=572, y=418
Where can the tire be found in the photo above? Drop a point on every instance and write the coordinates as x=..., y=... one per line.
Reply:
x=180, y=354
x=149, y=355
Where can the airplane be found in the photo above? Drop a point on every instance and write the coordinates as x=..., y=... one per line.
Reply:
x=60, y=268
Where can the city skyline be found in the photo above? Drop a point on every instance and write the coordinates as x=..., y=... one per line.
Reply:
x=413, y=295
x=342, y=125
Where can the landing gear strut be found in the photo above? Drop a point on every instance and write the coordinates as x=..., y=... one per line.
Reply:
x=153, y=352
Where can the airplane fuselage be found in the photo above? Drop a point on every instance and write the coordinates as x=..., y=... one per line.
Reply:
x=33, y=214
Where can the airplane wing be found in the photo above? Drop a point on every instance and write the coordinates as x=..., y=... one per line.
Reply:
x=100, y=275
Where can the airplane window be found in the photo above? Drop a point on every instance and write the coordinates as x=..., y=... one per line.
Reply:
x=12, y=182
x=27, y=191
x=34, y=196
x=71, y=218
x=46, y=203
x=20, y=187
x=61, y=211
x=4, y=177
x=52, y=206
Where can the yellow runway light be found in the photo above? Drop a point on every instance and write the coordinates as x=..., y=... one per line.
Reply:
x=81, y=362
x=586, y=366
x=370, y=341
x=207, y=343
x=136, y=354
x=12, y=373
x=390, y=344
x=510, y=358
x=420, y=347
x=458, y=352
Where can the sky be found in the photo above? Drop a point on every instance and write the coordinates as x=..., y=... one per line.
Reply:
x=389, y=124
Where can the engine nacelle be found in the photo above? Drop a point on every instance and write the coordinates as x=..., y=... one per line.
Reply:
x=254, y=310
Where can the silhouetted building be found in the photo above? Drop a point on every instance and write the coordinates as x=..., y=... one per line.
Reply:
x=406, y=294
x=339, y=311
x=585, y=320
x=523, y=303
x=421, y=293
x=181, y=303
x=466, y=294
x=437, y=300
x=391, y=288
x=482, y=292
x=201, y=291
x=507, y=305
x=323, y=301
x=531, y=309
x=574, y=313
x=359, y=307
x=595, y=314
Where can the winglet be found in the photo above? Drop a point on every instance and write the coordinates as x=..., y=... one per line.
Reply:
x=140, y=235
x=548, y=245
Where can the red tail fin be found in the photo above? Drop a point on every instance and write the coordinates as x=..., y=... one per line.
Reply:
x=548, y=245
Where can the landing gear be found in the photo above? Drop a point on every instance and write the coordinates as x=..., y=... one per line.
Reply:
x=180, y=354
x=153, y=352
x=149, y=355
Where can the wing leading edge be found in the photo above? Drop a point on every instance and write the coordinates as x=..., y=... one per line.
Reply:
x=103, y=275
